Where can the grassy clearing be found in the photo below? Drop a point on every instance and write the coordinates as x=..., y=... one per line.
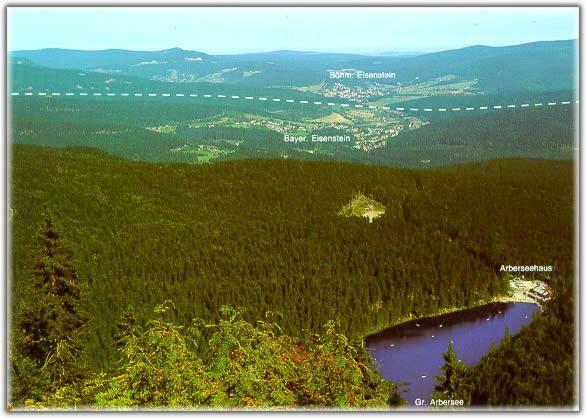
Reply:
x=333, y=118
x=363, y=206
x=165, y=129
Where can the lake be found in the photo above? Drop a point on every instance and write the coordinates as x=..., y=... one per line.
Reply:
x=412, y=352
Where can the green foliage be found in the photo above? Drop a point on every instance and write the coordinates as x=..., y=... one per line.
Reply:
x=536, y=367
x=126, y=327
x=529, y=132
x=45, y=345
x=247, y=366
x=265, y=235
x=27, y=379
x=112, y=125
x=449, y=382
x=51, y=322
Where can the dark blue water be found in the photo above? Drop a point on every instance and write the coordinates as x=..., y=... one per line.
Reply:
x=412, y=352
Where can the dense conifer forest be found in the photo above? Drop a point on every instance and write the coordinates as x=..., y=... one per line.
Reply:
x=265, y=235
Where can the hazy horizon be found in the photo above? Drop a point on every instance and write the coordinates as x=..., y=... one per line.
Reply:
x=381, y=53
x=239, y=30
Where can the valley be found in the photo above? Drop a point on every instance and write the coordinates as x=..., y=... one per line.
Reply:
x=237, y=227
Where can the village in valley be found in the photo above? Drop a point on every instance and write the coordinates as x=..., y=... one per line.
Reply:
x=369, y=129
x=369, y=126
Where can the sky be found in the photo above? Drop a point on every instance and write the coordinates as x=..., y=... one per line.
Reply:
x=232, y=30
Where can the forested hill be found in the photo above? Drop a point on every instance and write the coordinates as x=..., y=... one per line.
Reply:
x=536, y=132
x=267, y=235
x=537, y=66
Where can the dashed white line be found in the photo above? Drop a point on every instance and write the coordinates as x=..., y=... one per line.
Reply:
x=359, y=106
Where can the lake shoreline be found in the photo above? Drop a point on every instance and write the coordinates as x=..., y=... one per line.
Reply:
x=413, y=352
x=444, y=311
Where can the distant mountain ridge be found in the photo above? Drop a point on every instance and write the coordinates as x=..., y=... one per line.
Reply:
x=537, y=66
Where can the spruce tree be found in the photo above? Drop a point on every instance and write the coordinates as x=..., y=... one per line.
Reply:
x=448, y=385
x=53, y=321
x=126, y=327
